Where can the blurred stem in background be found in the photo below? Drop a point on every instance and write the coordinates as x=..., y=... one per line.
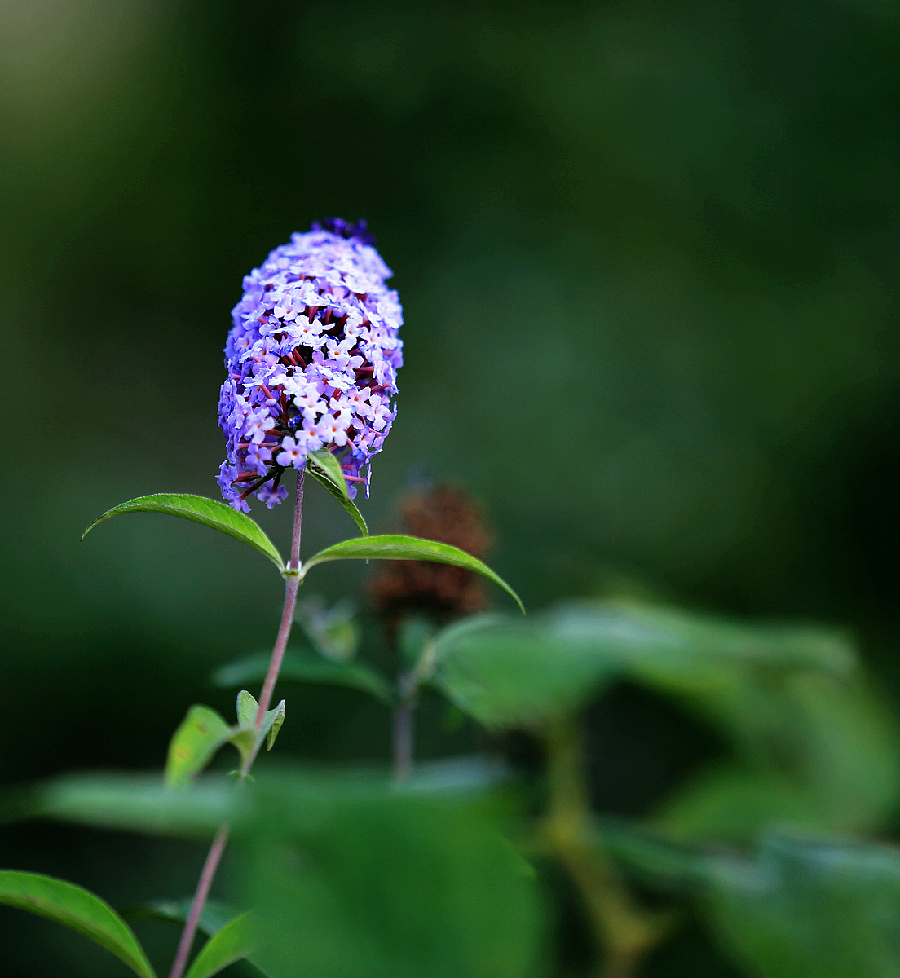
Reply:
x=291, y=586
x=404, y=724
x=623, y=932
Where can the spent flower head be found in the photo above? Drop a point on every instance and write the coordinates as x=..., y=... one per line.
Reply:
x=441, y=592
x=312, y=361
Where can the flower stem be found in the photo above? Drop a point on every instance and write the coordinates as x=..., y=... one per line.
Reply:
x=203, y=885
x=292, y=584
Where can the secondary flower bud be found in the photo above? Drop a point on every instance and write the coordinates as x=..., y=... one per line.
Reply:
x=312, y=361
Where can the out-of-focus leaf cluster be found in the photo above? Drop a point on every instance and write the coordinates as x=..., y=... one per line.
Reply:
x=349, y=873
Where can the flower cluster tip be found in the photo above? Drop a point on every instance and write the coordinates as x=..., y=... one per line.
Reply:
x=312, y=360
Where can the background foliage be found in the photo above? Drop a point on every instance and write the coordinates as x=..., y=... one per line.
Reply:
x=647, y=257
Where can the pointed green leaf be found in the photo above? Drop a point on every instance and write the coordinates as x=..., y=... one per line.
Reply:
x=77, y=909
x=234, y=941
x=214, y=917
x=275, y=725
x=308, y=667
x=199, y=509
x=200, y=735
x=326, y=470
x=399, y=547
x=246, y=710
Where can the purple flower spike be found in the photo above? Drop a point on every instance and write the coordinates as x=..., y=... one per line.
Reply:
x=312, y=362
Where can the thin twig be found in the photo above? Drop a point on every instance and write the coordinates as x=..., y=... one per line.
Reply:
x=206, y=877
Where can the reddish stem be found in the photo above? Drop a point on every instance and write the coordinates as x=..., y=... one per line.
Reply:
x=203, y=885
x=292, y=583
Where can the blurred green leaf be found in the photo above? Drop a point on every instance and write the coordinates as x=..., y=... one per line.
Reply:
x=199, y=509
x=666, y=864
x=359, y=876
x=236, y=940
x=814, y=746
x=200, y=735
x=134, y=802
x=333, y=632
x=676, y=649
x=731, y=803
x=213, y=917
x=507, y=672
x=326, y=470
x=803, y=907
x=307, y=667
x=144, y=804
x=810, y=749
x=398, y=547
x=353, y=877
x=77, y=909
x=511, y=673
x=813, y=743
x=810, y=909
x=414, y=634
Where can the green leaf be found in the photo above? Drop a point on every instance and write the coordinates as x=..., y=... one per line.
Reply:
x=659, y=861
x=214, y=917
x=234, y=941
x=510, y=673
x=307, y=667
x=810, y=750
x=199, y=509
x=275, y=725
x=363, y=879
x=334, y=632
x=135, y=802
x=414, y=637
x=810, y=909
x=802, y=907
x=77, y=909
x=679, y=651
x=732, y=803
x=326, y=470
x=247, y=708
x=201, y=734
x=398, y=547
x=813, y=743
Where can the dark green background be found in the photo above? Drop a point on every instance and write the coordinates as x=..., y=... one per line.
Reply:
x=648, y=255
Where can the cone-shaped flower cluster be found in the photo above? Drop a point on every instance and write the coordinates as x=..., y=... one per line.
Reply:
x=312, y=361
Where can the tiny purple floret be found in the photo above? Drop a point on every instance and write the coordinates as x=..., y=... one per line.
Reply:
x=312, y=360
